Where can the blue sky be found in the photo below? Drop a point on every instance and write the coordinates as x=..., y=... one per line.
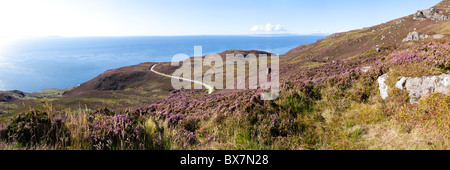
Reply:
x=196, y=17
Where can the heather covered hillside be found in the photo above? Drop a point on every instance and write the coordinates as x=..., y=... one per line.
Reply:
x=373, y=41
x=382, y=87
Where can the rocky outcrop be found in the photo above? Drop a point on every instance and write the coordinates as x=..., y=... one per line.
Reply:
x=432, y=14
x=414, y=36
x=425, y=14
x=417, y=86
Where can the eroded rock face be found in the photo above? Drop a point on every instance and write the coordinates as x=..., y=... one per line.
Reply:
x=417, y=87
x=414, y=36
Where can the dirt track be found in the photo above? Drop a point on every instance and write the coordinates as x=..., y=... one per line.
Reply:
x=210, y=89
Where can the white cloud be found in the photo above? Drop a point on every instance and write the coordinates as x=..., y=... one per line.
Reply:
x=268, y=28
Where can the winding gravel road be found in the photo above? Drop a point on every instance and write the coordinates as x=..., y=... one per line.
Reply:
x=210, y=89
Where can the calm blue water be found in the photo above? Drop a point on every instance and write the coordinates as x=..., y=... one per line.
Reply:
x=54, y=62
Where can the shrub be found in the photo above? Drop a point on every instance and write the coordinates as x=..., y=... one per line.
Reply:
x=295, y=102
x=190, y=124
x=35, y=127
x=115, y=132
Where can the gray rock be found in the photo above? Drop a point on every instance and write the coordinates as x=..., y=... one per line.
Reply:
x=417, y=87
x=383, y=86
x=414, y=36
x=398, y=22
x=440, y=17
x=429, y=12
x=424, y=14
x=422, y=86
x=438, y=36
x=432, y=14
x=365, y=69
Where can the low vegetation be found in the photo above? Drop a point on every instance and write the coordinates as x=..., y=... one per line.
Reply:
x=329, y=100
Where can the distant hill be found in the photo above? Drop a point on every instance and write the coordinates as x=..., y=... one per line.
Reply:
x=372, y=41
x=120, y=79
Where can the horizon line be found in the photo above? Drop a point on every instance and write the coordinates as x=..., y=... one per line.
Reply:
x=64, y=36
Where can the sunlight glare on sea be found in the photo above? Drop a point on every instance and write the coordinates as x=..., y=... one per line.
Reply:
x=5, y=41
x=2, y=85
x=5, y=63
x=4, y=45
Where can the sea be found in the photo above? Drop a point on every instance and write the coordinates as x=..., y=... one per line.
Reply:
x=34, y=64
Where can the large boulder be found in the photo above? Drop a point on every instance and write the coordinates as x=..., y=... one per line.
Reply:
x=417, y=87
x=432, y=14
x=422, y=86
x=424, y=14
x=414, y=36
x=383, y=86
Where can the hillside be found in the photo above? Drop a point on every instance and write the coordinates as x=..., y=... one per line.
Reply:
x=330, y=99
x=369, y=42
